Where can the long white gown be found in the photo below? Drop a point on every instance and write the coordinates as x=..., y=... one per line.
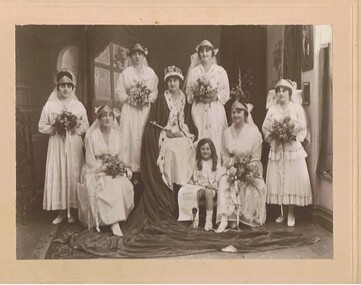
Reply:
x=103, y=200
x=62, y=168
x=210, y=118
x=252, y=199
x=287, y=178
x=132, y=120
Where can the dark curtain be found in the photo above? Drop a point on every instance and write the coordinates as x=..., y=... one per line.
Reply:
x=325, y=160
x=244, y=48
x=292, y=58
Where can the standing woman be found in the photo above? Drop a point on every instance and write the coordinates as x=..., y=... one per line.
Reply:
x=208, y=112
x=288, y=182
x=65, y=155
x=136, y=90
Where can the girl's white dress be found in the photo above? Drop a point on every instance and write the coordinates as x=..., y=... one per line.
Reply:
x=64, y=160
x=287, y=178
x=209, y=118
x=132, y=120
x=206, y=176
x=103, y=200
x=252, y=208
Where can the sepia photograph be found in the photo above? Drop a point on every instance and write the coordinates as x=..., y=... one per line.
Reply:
x=174, y=142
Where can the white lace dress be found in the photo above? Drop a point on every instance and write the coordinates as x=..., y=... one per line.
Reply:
x=287, y=178
x=210, y=118
x=252, y=208
x=132, y=120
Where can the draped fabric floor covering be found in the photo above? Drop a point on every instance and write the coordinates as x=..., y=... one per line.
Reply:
x=152, y=230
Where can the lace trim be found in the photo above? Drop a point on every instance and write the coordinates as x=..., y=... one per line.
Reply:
x=276, y=154
x=289, y=199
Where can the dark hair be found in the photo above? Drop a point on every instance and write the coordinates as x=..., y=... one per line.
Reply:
x=207, y=48
x=214, y=155
x=174, y=77
x=100, y=115
x=285, y=88
x=62, y=74
x=137, y=50
x=65, y=83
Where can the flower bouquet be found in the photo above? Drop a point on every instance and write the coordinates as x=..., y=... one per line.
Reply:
x=139, y=95
x=203, y=89
x=283, y=131
x=241, y=173
x=66, y=121
x=112, y=166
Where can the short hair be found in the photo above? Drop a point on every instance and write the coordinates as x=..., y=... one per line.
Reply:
x=174, y=77
x=285, y=88
x=100, y=114
x=207, y=48
x=244, y=111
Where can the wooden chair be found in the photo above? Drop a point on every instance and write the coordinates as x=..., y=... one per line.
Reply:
x=25, y=163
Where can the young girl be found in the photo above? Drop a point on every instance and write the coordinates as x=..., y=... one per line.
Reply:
x=65, y=156
x=206, y=173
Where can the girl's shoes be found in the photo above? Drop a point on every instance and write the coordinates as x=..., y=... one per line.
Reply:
x=209, y=225
x=116, y=230
x=280, y=219
x=223, y=225
x=195, y=224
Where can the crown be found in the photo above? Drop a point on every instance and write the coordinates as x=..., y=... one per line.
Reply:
x=173, y=71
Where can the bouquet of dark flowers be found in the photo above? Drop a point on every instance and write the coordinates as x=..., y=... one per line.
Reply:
x=243, y=171
x=203, y=89
x=283, y=131
x=66, y=121
x=139, y=95
x=112, y=166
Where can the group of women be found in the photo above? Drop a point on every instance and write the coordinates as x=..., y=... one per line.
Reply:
x=174, y=139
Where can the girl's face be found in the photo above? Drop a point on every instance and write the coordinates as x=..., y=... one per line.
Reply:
x=238, y=116
x=106, y=118
x=65, y=89
x=137, y=58
x=283, y=95
x=206, y=151
x=205, y=54
x=173, y=84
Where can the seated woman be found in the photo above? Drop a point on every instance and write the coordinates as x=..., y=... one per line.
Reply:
x=238, y=200
x=106, y=195
x=176, y=151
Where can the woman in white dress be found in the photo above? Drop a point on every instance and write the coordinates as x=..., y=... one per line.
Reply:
x=208, y=114
x=134, y=117
x=65, y=156
x=104, y=199
x=288, y=182
x=242, y=140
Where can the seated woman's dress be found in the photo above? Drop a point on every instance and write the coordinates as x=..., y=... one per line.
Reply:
x=252, y=208
x=104, y=200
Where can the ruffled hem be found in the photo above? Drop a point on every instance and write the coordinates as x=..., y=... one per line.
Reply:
x=276, y=154
x=289, y=199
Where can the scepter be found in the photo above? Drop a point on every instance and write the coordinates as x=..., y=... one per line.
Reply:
x=154, y=124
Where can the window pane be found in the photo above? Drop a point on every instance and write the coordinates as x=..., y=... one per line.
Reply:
x=102, y=83
x=104, y=57
x=116, y=78
x=121, y=57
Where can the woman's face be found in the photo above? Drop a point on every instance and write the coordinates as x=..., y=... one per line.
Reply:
x=64, y=89
x=283, y=95
x=106, y=118
x=205, y=54
x=238, y=116
x=173, y=84
x=137, y=58
x=206, y=151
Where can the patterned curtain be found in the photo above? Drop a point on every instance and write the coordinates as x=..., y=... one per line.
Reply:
x=292, y=58
x=325, y=161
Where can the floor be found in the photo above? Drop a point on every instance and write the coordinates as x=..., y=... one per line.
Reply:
x=34, y=239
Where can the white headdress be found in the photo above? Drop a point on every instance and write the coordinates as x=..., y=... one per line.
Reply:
x=64, y=79
x=96, y=123
x=247, y=107
x=195, y=60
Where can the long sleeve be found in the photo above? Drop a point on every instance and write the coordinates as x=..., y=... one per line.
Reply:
x=189, y=92
x=223, y=88
x=153, y=88
x=84, y=123
x=120, y=91
x=225, y=155
x=46, y=121
x=301, y=124
x=266, y=127
x=91, y=162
